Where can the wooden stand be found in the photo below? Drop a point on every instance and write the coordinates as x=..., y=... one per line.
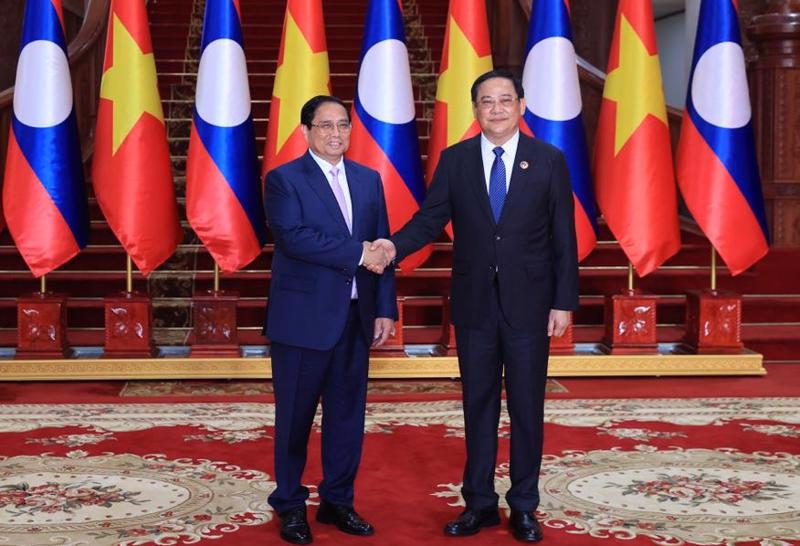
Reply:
x=448, y=343
x=563, y=344
x=713, y=322
x=215, y=326
x=630, y=322
x=41, y=326
x=129, y=321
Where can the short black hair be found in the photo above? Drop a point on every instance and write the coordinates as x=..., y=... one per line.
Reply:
x=309, y=109
x=498, y=73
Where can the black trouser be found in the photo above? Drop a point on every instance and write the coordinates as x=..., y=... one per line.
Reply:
x=482, y=353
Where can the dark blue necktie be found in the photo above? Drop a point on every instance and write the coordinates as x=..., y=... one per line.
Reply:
x=497, y=184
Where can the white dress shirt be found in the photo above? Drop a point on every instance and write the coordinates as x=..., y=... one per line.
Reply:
x=342, y=176
x=509, y=153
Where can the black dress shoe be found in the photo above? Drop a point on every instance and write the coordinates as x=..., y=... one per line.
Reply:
x=344, y=518
x=294, y=526
x=471, y=521
x=524, y=526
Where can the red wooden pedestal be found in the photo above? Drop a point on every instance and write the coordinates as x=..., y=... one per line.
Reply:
x=448, y=343
x=394, y=346
x=215, y=333
x=713, y=322
x=563, y=344
x=630, y=322
x=41, y=326
x=128, y=326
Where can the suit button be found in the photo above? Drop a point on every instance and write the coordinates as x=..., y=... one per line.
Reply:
x=348, y=281
x=497, y=237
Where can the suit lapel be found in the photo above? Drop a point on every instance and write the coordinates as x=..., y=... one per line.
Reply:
x=319, y=183
x=519, y=177
x=475, y=163
x=356, y=197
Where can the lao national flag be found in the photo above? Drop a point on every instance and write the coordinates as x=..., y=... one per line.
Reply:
x=553, y=113
x=384, y=134
x=223, y=192
x=717, y=169
x=44, y=199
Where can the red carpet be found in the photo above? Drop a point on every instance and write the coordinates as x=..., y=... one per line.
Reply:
x=185, y=470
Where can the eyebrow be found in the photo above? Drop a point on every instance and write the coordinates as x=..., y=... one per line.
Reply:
x=503, y=96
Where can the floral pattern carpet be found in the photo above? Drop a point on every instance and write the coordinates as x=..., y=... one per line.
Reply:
x=616, y=471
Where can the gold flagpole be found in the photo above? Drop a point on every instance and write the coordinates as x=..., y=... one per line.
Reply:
x=129, y=275
x=216, y=277
x=630, y=276
x=713, y=268
x=43, y=284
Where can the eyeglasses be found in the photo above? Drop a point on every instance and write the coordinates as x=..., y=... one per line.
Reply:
x=328, y=126
x=505, y=103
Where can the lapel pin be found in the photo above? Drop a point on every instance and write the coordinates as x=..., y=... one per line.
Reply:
x=523, y=165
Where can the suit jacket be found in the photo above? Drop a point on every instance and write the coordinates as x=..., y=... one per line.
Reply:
x=531, y=251
x=316, y=258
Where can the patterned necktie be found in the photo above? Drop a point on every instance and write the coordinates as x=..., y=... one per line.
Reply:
x=497, y=184
x=338, y=192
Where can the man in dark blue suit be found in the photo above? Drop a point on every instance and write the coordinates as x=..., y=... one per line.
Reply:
x=325, y=311
x=515, y=281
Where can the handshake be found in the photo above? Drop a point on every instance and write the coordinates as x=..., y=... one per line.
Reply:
x=378, y=255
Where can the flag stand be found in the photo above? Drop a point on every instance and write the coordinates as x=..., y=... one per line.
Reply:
x=128, y=321
x=713, y=318
x=215, y=332
x=565, y=343
x=41, y=324
x=630, y=321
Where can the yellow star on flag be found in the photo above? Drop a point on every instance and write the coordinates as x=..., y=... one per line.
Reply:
x=131, y=84
x=635, y=85
x=463, y=66
x=302, y=75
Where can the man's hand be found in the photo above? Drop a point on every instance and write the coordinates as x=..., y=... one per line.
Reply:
x=384, y=327
x=387, y=246
x=558, y=322
x=375, y=259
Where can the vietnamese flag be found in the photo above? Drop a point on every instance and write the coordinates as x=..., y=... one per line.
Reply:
x=132, y=171
x=634, y=177
x=302, y=74
x=467, y=53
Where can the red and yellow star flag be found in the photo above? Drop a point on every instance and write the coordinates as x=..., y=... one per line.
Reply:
x=132, y=171
x=466, y=54
x=302, y=73
x=634, y=177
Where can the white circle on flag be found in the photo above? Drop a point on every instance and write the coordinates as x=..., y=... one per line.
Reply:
x=550, y=80
x=384, y=83
x=43, y=88
x=719, y=86
x=223, y=94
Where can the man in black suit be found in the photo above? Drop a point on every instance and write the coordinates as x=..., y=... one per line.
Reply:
x=514, y=283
